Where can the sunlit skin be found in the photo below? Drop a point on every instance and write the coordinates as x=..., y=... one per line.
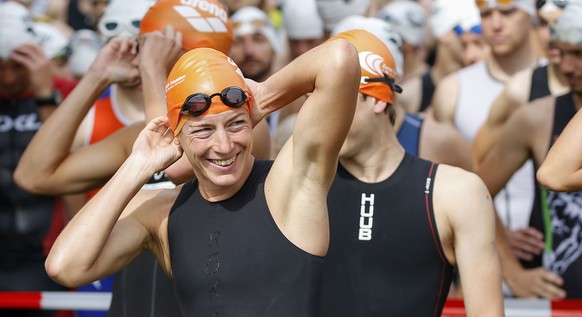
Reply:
x=14, y=78
x=254, y=55
x=571, y=65
x=547, y=18
x=504, y=29
x=219, y=147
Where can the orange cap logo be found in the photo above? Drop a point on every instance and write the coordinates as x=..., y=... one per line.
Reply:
x=203, y=23
x=375, y=62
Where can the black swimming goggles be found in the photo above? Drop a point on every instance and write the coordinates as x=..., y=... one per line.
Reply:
x=196, y=104
x=387, y=80
x=558, y=3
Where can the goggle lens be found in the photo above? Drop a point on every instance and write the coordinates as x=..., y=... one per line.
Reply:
x=198, y=103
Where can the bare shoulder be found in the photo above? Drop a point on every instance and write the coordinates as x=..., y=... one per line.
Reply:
x=458, y=190
x=444, y=99
x=151, y=209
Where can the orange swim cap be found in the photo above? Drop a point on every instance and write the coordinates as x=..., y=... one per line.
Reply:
x=203, y=23
x=202, y=70
x=376, y=62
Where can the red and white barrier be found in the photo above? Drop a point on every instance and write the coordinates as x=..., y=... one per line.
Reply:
x=524, y=308
x=56, y=300
x=102, y=300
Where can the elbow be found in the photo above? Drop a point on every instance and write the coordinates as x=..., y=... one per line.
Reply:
x=60, y=274
x=26, y=182
x=551, y=180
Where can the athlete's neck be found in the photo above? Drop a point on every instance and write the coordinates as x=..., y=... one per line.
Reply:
x=213, y=193
x=505, y=66
x=375, y=162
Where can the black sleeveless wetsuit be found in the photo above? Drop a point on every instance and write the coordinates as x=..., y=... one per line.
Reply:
x=428, y=88
x=385, y=257
x=229, y=258
x=539, y=83
x=560, y=216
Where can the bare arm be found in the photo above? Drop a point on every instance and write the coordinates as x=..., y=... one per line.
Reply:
x=513, y=96
x=54, y=171
x=505, y=157
x=561, y=170
x=331, y=72
x=442, y=143
x=158, y=52
x=100, y=240
x=305, y=167
x=469, y=210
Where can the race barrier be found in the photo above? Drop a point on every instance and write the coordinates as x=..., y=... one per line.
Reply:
x=102, y=300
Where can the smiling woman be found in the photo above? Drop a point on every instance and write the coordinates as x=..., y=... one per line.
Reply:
x=217, y=236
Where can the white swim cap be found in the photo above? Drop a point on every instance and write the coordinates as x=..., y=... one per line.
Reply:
x=525, y=5
x=53, y=41
x=301, y=20
x=568, y=28
x=407, y=18
x=447, y=14
x=85, y=45
x=16, y=27
x=122, y=18
x=333, y=11
x=250, y=20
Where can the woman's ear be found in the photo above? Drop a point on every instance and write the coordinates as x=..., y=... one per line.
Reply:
x=379, y=106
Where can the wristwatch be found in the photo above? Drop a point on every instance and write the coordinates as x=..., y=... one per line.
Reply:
x=53, y=100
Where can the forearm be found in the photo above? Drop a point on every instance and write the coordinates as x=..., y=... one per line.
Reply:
x=37, y=164
x=561, y=170
x=153, y=83
x=509, y=263
x=85, y=247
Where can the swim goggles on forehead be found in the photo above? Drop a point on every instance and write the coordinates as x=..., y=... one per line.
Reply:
x=113, y=26
x=459, y=30
x=386, y=80
x=196, y=104
x=558, y=3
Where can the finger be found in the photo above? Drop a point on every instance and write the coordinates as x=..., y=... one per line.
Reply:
x=124, y=46
x=533, y=232
x=553, y=278
x=156, y=122
x=169, y=31
x=550, y=291
x=24, y=59
x=523, y=255
x=179, y=38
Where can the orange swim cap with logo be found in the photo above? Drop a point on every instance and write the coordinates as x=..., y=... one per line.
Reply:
x=202, y=70
x=375, y=62
x=203, y=23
